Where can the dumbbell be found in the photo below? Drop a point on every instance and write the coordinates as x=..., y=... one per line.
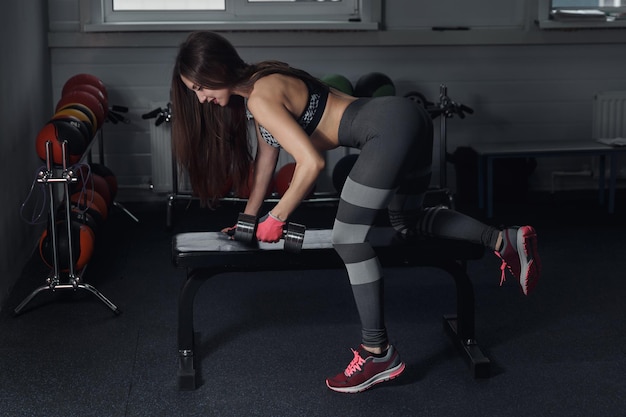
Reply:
x=246, y=232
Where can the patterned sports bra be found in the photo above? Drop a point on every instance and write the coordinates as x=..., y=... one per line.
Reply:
x=310, y=118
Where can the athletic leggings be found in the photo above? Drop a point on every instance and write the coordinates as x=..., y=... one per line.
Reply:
x=393, y=170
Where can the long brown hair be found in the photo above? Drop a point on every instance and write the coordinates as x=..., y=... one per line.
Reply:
x=211, y=142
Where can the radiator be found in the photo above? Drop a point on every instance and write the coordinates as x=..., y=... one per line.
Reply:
x=609, y=123
x=609, y=115
x=161, y=153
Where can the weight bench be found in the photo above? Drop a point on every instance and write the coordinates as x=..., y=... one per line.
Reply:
x=206, y=254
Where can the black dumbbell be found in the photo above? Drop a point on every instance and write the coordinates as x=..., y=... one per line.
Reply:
x=246, y=232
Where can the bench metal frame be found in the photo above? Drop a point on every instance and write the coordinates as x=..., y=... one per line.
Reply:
x=206, y=254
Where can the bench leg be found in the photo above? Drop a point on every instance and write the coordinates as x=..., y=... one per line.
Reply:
x=187, y=378
x=460, y=327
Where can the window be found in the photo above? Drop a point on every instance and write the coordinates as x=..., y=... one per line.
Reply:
x=582, y=13
x=134, y=15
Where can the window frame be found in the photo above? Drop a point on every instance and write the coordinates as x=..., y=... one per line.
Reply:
x=546, y=21
x=98, y=16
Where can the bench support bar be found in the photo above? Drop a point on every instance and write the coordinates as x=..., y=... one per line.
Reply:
x=460, y=327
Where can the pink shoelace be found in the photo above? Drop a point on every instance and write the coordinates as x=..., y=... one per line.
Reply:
x=503, y=268
x=355, y=364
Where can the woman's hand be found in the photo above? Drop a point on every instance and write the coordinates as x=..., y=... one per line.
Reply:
x=230, y=231
x=270, y=229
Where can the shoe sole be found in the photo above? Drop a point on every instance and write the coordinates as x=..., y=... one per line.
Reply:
x=387, y=375
x=530, y=264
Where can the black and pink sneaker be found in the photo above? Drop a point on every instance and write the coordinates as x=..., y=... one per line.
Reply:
x=366, y=370
x=520, y=256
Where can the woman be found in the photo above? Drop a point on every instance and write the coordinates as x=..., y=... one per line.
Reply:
x=215, y=93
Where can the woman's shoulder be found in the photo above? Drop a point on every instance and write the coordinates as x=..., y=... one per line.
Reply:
x=273, y=82
x=276, y=88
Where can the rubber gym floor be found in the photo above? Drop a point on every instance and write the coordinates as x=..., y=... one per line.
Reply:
x=268, y=340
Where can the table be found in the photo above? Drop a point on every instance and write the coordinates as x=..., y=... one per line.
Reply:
x=488, y=152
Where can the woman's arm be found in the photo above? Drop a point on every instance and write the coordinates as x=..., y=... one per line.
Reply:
x=269, y=105
x=264, y=167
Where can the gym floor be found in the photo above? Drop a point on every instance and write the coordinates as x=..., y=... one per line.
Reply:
x=268, y=340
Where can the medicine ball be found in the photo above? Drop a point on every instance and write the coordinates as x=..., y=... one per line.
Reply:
x=84, y=128
x=374, y=84
x=82, y=239
x=108, y=175
x=83, y=98
x=86, y=199
x=80, y=79
x=56, y=132
x=342, y=170
x=94, y=91
x=80, y=216
x=80, y=116
x=86, y=111
x=92, y=211
x=339, y=82
x=419, y=98
x=93, y=182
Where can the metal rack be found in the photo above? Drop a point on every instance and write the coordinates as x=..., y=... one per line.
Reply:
x=71, y=279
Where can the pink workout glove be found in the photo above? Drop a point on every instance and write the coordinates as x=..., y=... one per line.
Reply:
x=270, y=229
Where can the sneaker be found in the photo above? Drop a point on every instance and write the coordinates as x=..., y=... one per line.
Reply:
x=519, y=255
x=366, y=370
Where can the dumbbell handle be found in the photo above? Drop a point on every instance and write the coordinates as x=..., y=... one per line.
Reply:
x=245, y=231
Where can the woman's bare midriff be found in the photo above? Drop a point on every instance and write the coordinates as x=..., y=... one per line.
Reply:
x=326, y=135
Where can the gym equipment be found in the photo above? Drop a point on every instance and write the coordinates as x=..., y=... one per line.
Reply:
x=57, y=132
x=92, y=211
x=75, y=113
x=420, y=99
x=446, y=108
x=339, y=82
x=81, y=79
x=108, y=175
x=113, y=114
x=161, y=115
x=342, y=170
x=82, y=245
x=86, y=99
x=245, y=232
x=86, y=111
x=63, y=248
x=86, y=199
x=94, y=91
x=82, y=217
x=374, y=84
x=205, y=255
x=84, y=128
x=94, y=182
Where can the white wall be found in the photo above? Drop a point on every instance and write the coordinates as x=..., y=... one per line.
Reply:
x=522, y=82
x=24, y=109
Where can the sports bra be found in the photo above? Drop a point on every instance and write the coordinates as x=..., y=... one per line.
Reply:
x=310, y=118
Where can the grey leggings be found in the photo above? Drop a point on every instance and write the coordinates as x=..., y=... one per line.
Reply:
x=393, y=170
